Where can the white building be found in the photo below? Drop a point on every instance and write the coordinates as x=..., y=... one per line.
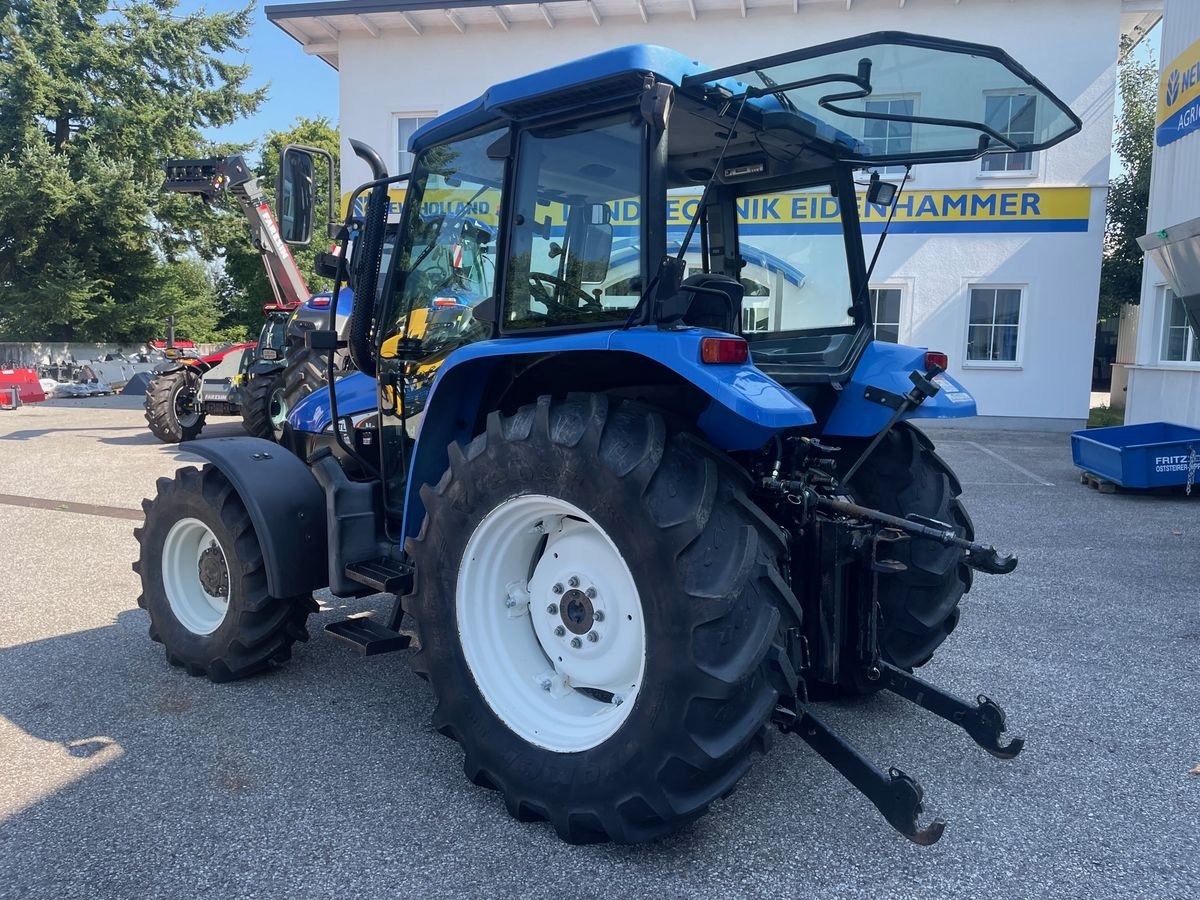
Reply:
x=995, y=262
x=1164, y=382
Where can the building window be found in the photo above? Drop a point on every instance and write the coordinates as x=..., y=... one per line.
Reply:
x=1015, y=117
x=405, y=127
x=994, y=325
x=885, y=313
x=1179, y=342
x=884, y=137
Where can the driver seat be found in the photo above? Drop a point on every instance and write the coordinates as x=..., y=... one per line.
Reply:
x=715, y=301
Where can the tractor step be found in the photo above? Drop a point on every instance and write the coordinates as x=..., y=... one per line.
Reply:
x=385, y=575
x=368, y=636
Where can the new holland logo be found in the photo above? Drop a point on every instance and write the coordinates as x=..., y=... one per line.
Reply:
x=1172, y=87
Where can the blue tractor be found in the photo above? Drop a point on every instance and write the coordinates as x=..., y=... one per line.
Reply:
x=629, y=530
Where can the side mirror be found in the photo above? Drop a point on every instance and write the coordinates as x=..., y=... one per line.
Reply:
x=596, y=251
x=880, y=193
x=296, y=192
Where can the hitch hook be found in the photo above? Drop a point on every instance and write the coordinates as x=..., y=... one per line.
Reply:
x=896, y=795
x=984, y=722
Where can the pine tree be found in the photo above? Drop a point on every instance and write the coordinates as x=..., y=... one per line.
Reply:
x=94, y=95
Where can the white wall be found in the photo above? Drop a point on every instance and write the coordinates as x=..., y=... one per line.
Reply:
x=1071, y=45
x=1167, y=392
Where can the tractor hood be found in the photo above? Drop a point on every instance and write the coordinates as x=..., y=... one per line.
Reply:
x=1176, y=252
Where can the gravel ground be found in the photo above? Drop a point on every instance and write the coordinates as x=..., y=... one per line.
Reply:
x=121, y=776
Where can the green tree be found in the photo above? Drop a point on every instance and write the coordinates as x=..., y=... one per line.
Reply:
x=1129, y=192
x=94, y=94
x=247, y=288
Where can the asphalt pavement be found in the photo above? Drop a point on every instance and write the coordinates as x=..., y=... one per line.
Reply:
x=121, y=776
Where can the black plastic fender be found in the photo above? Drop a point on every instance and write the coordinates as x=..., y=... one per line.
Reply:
x=286, y=505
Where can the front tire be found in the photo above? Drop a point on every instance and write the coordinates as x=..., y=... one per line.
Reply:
x=173, y=407
x=569, y=509
x=204, y=582
x=264, y=407
x=306, y=370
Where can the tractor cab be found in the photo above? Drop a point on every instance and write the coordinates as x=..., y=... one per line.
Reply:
x=616, y=194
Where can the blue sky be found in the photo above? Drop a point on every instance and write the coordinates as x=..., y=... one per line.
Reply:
x=299, y=85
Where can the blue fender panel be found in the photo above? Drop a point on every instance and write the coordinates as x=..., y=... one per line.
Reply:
x=887, y=366
x=356, y=393
x=746, y=408
x=286, y=506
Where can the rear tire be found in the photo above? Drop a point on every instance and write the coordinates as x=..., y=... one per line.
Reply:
x=701, y=571
x=918, y=607
x=204, y=582
x=264, y=408
x=172, y=406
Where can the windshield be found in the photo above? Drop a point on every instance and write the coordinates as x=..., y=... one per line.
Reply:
x=892, y=97
x=444, y=269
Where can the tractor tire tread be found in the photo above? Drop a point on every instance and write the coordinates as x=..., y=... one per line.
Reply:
x=258, y=630
x=733, y=612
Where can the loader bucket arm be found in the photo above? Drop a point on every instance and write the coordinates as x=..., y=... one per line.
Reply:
x=208, y=178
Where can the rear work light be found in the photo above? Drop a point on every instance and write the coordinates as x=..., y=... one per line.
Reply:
x=715, y=350
x=936, y=358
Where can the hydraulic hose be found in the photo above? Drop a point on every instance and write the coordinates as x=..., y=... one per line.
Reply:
x=370, y=247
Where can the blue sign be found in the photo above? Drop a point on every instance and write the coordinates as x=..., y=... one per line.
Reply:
x=1182, y=122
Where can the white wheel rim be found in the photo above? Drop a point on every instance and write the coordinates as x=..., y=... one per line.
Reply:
x=558, y=655
x=187, y=548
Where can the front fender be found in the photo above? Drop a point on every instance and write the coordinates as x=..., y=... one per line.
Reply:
x=887, y=366
x=355, y=394
x=286, y=506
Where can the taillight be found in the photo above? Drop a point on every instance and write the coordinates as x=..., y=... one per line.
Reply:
x=319, y=302
x=445, y=301
x=714, y=350
x=936, y=358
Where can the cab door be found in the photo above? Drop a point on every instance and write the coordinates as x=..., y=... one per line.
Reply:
x=439, y=295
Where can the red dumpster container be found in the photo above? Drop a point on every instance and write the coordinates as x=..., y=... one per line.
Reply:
x=25, y=380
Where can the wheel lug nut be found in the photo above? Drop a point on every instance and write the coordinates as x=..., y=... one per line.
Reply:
x=552, y=608
x=546, y=684
x=617, y=701
x=593, y=637
x=558, y=588
x=573, y=581
x=598, y=615
x=591, y=592
x=576, y=643
x=559, y=631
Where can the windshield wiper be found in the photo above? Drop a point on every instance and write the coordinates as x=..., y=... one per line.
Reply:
x=784, y=100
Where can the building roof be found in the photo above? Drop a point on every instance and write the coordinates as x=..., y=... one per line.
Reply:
x=319, y=25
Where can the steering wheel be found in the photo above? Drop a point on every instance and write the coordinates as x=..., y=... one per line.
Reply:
x=536, y=278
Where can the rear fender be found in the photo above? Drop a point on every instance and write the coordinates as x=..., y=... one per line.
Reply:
x=887, y=366
x=286, y=506
x=744, y=408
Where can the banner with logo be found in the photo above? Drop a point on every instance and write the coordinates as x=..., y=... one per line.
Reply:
x=991, y=211
x=1179, y=97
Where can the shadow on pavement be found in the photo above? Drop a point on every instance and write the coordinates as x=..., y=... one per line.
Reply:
x=31, y=433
